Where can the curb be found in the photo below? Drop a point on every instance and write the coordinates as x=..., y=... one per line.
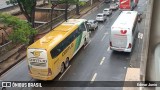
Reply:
x=20, y=59
x=11, y=53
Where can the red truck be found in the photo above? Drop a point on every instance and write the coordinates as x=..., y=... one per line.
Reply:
x=127, y=4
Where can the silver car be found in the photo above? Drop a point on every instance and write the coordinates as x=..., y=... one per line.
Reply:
x=113, y=6
x=93, y=24
x=107, y=11
x=101, y=17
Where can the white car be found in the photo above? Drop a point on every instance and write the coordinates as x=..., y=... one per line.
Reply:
x=101, y=17
x=107, y=11
x=113, y=6
x=93, y=24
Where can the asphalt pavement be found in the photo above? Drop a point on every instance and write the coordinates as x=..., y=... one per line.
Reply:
x=95, y=62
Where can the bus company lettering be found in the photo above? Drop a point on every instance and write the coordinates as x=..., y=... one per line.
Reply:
x=38, y=60
x=66, y=50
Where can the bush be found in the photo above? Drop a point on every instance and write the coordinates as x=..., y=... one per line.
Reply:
x=21, y=29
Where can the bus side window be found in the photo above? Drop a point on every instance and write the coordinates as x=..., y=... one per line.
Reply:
x=54, y=52
x=77, y=32
x=82, y=27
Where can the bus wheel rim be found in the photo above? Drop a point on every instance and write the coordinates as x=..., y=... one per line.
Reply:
x=62, y=68
x=67, y=63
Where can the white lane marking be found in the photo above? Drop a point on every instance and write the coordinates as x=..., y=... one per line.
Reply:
x=106, y=33
x=103, y=37
x=108, y=48
x=65, y=72
x=87, y=44
x=94, y=77
x=101, y=27
x=102, y=60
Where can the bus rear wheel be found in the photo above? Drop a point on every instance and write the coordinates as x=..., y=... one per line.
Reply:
x=62, y=68
x=67, y=63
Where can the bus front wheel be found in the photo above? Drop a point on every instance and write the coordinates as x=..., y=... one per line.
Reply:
x=62, y=68
x=85, y=42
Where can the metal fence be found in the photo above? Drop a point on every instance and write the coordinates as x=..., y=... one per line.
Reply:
x=56, y=20
x=4, y=48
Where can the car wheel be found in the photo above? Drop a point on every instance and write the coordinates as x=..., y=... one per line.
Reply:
x=85, y=42
x=97, y=26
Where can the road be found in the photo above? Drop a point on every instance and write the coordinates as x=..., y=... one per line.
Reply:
x=3, y=4
x=95, y=62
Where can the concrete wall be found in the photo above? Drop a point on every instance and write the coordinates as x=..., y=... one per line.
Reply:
x=153, y=43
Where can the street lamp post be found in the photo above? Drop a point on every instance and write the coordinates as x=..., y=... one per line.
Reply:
x=77, y=7
x=54, y=4
x=66, y=10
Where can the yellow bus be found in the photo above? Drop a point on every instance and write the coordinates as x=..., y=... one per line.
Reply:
x=50, y=55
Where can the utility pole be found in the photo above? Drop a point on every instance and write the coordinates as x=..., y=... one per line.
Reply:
x=66, y=9
x=77, y=8
x=54, y=4
x=91, y=2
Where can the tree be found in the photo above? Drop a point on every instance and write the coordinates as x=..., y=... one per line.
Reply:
x=77, y=7
x=27, y=7
x=67, y=2
x=21, y=29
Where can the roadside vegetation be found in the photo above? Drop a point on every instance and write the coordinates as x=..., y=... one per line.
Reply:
x=21, y=30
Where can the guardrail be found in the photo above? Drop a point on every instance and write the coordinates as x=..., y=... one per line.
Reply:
x=3, y=48
x=56, y=20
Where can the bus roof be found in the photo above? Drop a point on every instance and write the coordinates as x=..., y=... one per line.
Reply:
x=59, y=33
x=125, y=20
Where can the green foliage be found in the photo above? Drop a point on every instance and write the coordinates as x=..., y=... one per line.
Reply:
x=26, y=3
x=69, y=1
x=13, y=2
x=82, y=3
x=21, y=29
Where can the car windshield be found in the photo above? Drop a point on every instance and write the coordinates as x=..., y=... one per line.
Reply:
x=106, y=10
x=112, y=5
x=90, y=21
x=99, y=15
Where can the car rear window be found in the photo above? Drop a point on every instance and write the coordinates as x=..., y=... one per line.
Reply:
x=99, y=15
